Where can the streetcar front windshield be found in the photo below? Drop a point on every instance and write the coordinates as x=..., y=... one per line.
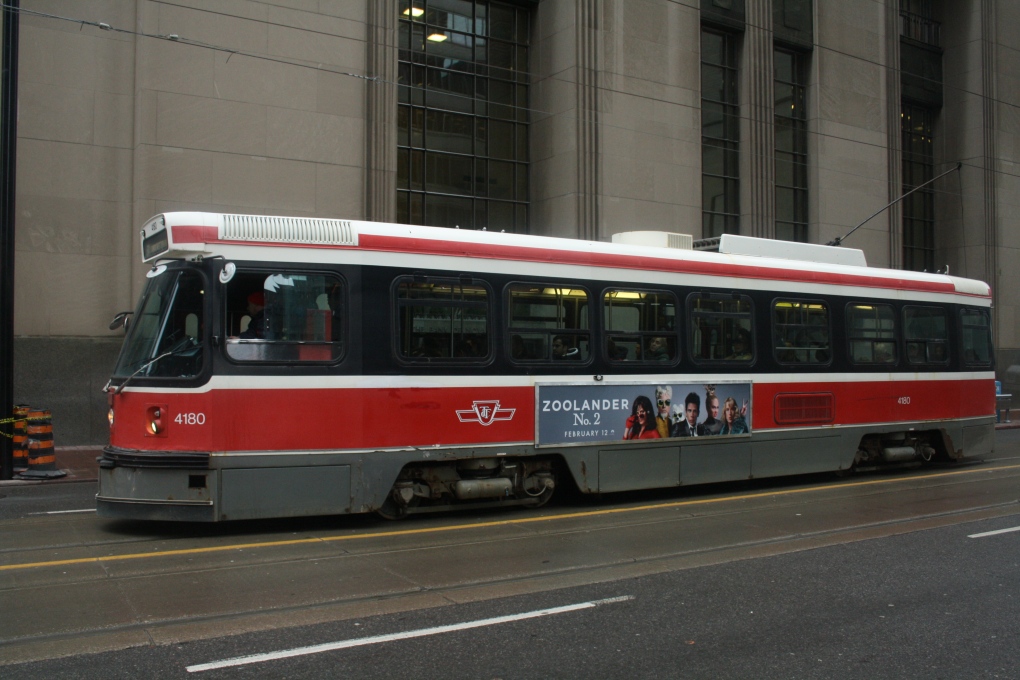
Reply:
x=165, y=336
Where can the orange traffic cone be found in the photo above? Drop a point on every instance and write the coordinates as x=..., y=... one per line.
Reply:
x=20, y=438
x=42, y=460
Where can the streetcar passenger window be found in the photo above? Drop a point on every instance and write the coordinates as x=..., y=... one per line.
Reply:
x=548, y=323
x=926, y=334
x=640, y=326
x=977, y=337
x=442, y=320
x=285, y=316
x=800, y=329
x=721, y=328
x=871, y=330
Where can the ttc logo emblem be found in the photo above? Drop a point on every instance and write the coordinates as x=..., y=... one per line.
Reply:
x=485, y=412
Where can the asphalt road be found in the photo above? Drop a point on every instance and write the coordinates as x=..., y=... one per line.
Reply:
x=873, y=576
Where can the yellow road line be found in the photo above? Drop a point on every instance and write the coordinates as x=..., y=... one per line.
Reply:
x=497, y=523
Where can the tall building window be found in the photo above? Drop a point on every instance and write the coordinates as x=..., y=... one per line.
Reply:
x=462, y=117
x=919, y=207
x=791, y=145
x=917, y=22
x=720, y=135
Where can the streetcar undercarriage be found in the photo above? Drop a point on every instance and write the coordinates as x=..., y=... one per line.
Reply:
x=904, y=448
x=473, y=482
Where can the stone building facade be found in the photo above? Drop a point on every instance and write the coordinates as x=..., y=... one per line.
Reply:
x=793, y=119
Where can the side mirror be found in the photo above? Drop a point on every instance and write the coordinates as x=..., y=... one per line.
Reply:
x=121, y=319
x=228, y=271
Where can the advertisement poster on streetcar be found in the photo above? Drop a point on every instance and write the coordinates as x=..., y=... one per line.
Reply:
x=610, y=413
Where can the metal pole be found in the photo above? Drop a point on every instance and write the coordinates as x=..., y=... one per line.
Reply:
x=839, y=239
x=8, y=164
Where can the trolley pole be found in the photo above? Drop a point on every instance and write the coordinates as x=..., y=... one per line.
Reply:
x=8, y=160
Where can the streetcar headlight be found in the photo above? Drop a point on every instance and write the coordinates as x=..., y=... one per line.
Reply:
x=154, y=425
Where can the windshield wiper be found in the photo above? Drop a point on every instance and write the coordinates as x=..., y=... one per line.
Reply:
x=183, y=344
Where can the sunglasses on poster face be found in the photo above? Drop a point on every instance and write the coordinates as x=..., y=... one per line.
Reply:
x=663, y=402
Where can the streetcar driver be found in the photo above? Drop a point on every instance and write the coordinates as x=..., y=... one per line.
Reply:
x=256, y=310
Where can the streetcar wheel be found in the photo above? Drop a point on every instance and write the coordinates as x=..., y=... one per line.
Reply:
x=539, y=488
x=392, y=510
x=399, y=502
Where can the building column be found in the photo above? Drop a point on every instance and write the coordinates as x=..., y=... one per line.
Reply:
x=988, y=143
x=759, y=210
x=588, y=157
x=381, y=112
x=894, y=133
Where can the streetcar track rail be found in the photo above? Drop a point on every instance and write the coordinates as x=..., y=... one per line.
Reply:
x=869, y=486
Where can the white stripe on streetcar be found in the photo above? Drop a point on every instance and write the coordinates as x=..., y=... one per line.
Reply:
x=993, y=533
x=422, y=632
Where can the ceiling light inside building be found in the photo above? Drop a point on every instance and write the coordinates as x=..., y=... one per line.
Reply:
x=438, y=37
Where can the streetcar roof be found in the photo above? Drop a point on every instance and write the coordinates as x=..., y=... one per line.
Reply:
x=194, y=234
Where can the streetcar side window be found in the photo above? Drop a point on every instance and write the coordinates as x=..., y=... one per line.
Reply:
x=548, y=323
x=871, y=331
x=977, y=337
x=721, y=328
x=442, y=319
x=285, y=316
x=800, y=330
x=640, y=326
x=926, y=334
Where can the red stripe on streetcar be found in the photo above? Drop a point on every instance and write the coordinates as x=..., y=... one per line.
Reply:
x=492, y=251
x=618, y=261
x=183, y=233
x=860, y=403
x=338, y=419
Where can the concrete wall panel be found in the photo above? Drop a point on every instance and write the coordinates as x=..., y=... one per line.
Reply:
x=211, y=124
x=312, y=136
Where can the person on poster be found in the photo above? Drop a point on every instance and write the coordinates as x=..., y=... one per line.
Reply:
x=711, y=425
x=641, y=423
x=663, y=421
x=733, y=421
x=689, y=427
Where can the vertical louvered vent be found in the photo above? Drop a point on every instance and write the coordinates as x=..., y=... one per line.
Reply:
x=805, y=409
x=681, y=241
x=289, y=230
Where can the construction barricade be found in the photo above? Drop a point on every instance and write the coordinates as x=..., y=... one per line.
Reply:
x=20, y=445
x=41, y=457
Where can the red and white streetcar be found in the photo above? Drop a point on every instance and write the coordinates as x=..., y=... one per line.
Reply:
x=282, y=366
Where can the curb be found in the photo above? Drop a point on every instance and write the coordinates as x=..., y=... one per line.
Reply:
x=79, y=462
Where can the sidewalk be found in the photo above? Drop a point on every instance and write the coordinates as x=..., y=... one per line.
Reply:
x=80, y=461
